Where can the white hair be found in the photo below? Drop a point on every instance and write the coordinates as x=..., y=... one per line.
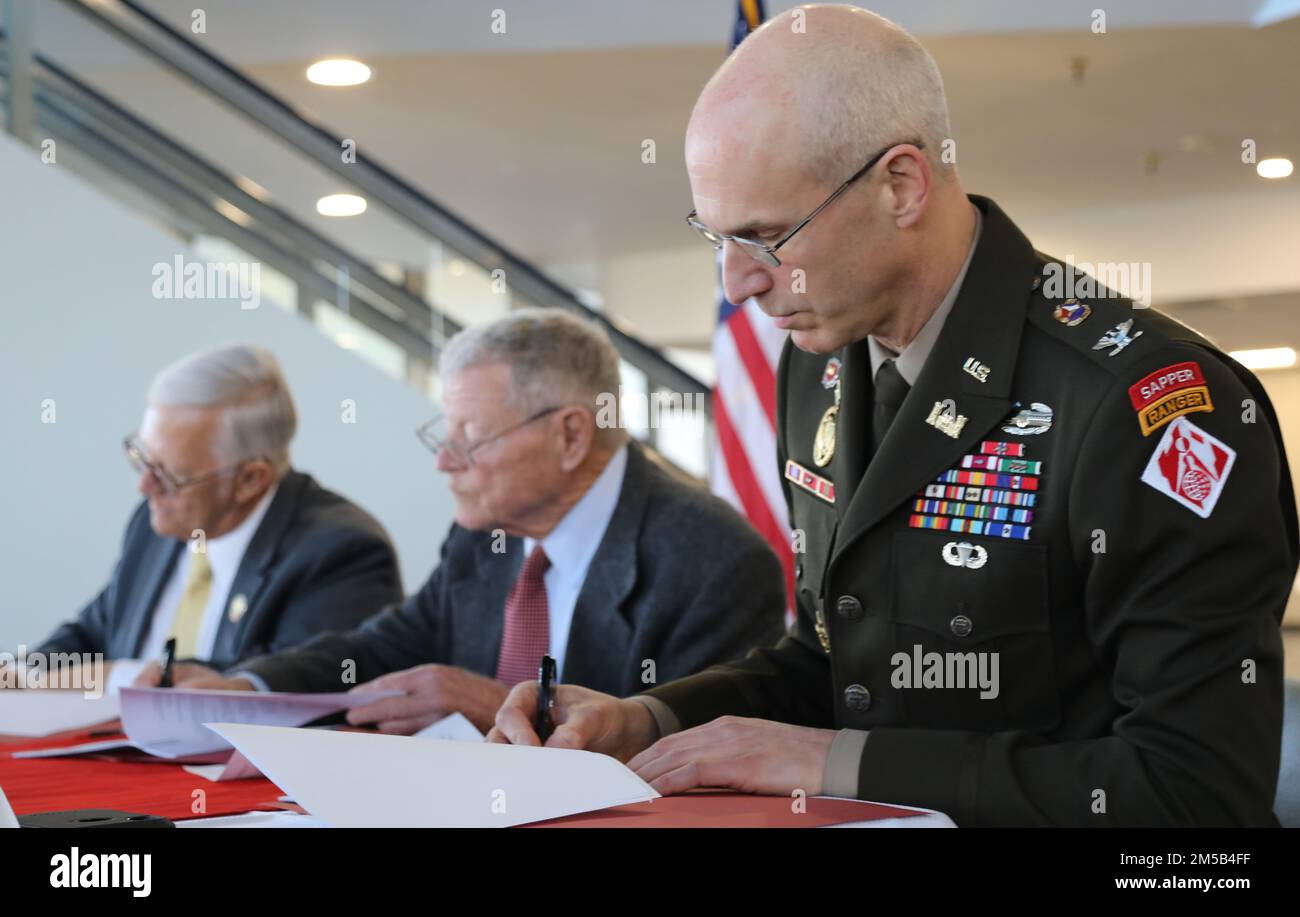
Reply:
x=554, y=357
x=258, y=416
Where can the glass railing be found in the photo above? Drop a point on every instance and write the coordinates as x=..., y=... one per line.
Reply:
x=174, y=132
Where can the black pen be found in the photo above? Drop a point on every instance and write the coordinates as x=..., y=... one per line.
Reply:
x=169, y=656
x=542, y=723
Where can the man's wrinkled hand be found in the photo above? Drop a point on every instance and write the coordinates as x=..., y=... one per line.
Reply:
x=430, y=692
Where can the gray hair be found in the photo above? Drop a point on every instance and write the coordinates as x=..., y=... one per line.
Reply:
x=258, y=415
x=554, y=358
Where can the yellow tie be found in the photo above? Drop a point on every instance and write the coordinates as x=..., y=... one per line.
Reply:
x=189, y=613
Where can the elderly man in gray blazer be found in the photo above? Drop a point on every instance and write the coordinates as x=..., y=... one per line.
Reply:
x=232, y=553
x=569, y=541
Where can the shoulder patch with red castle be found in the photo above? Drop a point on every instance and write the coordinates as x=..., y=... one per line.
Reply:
x=1191, y=466
x=1169, y=392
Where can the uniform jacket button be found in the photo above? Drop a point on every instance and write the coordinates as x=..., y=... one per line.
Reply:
x=849, y=608
x=798, y=571
x=961, y=625
x=857, y=698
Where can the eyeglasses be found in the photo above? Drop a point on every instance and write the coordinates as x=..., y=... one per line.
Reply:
x=766, y=254
x=437, y=438
x=169, y=483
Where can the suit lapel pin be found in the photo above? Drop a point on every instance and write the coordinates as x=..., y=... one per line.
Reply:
x=238, y=605
x=977, y=369
x=1117, y=337
x=944, y=418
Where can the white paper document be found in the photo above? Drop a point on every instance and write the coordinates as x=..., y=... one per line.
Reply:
x=7, y=817
x=38, y=713
x=454, y=728
x=168, y=722
x=253, y=820
x=357, y=780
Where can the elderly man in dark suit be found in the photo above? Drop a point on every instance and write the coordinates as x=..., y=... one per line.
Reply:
x=232, y=553
x=568, y=540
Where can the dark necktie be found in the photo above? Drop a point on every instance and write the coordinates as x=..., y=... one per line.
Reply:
x=890, y=390
x=527, y=634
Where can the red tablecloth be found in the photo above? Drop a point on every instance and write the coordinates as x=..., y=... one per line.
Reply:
x=54, y=784
x=729, y=810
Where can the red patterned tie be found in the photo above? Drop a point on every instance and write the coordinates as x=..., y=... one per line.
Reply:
x=528, y=628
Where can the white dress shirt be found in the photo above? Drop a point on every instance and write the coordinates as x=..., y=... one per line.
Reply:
x=571, y=545
x=225, y=554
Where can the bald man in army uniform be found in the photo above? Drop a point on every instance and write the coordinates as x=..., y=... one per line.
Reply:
x=1047, y=539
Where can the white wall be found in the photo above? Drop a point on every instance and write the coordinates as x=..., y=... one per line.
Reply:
x=79, y=325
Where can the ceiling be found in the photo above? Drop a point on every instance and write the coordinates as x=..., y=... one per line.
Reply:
x=535, y=136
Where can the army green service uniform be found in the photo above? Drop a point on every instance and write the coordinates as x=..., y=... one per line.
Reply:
x=1084, y=501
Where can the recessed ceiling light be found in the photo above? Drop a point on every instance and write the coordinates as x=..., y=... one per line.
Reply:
x=338, y=71
x=1265, y=358
x=341, y=205
x=1274, y=168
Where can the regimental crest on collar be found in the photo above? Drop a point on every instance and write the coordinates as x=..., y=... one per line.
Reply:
x=1030, y=421
x=1071, y=312
x=1117, y=337
x=831, y=374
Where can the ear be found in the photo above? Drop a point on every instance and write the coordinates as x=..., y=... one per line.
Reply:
x=253, y=479
x=909, y=178
x=578, y=432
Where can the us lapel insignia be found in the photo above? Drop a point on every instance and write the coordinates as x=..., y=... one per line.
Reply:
x=1030, y=421
x=238, y=605
x=1117, y=337
x=944, y=418
x=1072, y=312
x=815, y=484
x=977, y=369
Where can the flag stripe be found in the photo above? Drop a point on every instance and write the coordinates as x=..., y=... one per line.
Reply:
x=751, y=495
x=760, y=370
x=750, y=422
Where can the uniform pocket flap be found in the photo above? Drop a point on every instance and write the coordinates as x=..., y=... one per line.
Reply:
x=970, y=589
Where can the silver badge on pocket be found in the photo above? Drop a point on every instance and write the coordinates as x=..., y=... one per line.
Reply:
x=965, y=554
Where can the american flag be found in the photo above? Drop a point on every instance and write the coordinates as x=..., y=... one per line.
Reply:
x=746, y=348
